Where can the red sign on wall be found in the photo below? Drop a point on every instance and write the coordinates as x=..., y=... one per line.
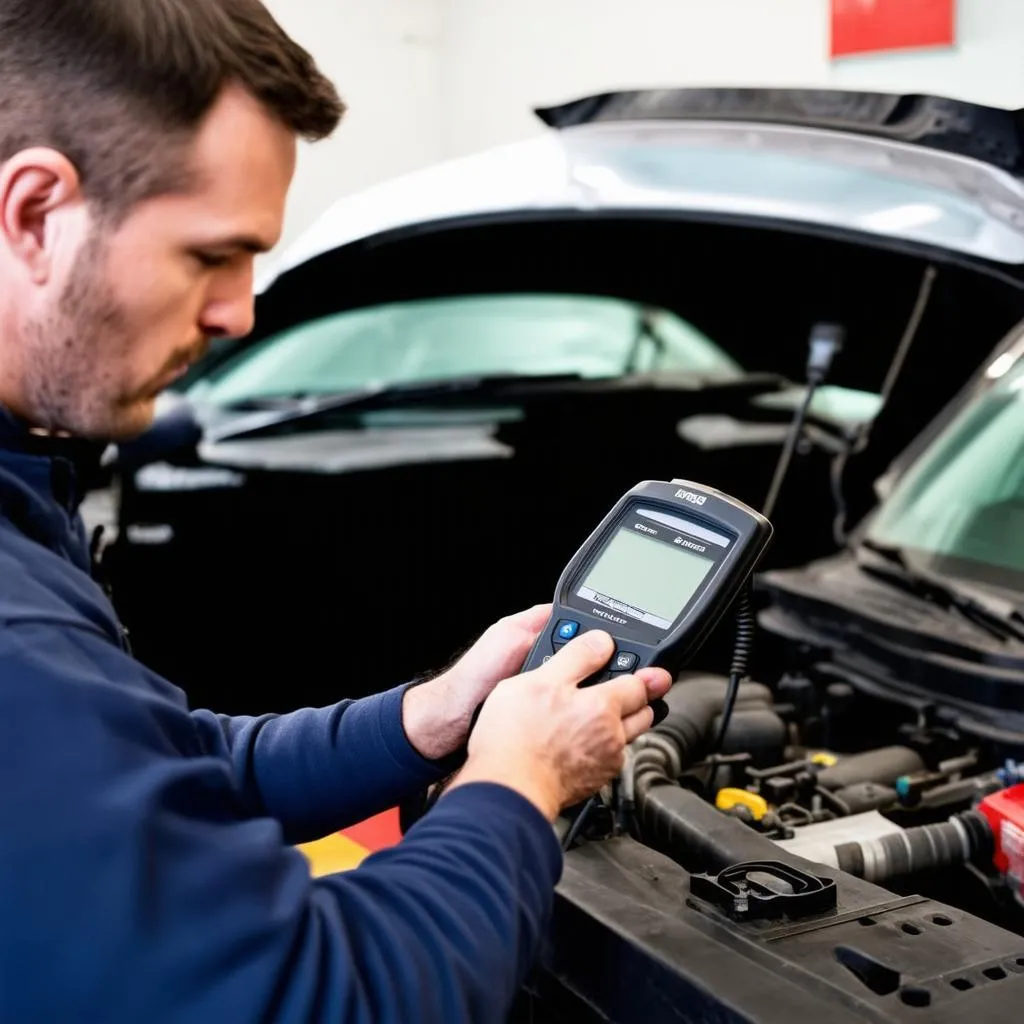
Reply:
x=870, y=26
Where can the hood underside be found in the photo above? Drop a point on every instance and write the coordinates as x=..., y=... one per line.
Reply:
x=992, y=135
x=920, y=170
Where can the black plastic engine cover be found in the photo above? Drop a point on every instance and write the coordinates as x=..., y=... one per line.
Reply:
x=629, y=944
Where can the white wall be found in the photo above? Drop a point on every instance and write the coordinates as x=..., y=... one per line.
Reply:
x=385, y=57
x=502, y=59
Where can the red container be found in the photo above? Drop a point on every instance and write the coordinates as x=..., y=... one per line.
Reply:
x=1005, y=813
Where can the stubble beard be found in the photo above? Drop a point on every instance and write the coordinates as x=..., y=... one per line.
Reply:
x=72, y=358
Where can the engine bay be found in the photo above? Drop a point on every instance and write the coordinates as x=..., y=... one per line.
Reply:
x=917, y=800
x=922, y=805
x=872, y=880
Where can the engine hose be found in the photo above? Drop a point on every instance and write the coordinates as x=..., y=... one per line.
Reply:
x=957, y=841
x=695, y=704
x=664, y=753
x=685, y=827
x=677, y=821
x=740, y=659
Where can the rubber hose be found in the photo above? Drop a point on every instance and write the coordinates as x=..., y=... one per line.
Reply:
x=957, y=841
x=679, y=696
x=755, y=731
x=883, y=766
x=701, y=838
x=694, y=706
x=677, y=821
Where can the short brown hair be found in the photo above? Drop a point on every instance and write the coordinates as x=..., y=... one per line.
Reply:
x=117, y=85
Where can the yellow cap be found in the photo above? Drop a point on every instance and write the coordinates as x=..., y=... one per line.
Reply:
x=823, y=760
x=727, y=799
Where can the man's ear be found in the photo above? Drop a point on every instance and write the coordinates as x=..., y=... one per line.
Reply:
x=36, y=186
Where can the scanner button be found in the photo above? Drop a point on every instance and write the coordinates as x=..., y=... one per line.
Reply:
x=566, y=630
x=624, y=662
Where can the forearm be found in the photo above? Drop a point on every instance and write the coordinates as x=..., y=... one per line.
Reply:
x=319, y=770
x=469, y=895
x=443, y=927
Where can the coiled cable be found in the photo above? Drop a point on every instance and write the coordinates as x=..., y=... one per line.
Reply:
x=740, y=661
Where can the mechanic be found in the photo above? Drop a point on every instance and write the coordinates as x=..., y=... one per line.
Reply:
x=147, y=867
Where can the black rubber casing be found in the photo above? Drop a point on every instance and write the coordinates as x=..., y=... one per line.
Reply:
x=749, y=534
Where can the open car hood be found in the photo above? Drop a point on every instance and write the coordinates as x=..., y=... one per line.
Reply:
x=940, y=173
x=992, y=135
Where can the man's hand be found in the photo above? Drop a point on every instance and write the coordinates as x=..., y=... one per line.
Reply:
x=437, y=715
x=557, y=744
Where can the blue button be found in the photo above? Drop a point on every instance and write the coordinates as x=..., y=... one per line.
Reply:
x=567, y=630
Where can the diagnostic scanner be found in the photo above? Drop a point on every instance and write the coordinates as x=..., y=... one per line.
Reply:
x=658, y=574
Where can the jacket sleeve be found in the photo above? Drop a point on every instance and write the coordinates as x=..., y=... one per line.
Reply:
x=136, y=885
x=320, y=770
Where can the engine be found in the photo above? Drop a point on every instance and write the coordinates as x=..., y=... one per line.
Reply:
x=924, y=811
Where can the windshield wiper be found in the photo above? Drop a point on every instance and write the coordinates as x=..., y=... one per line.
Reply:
x=265, y=416
x=291, y=409
x=384, y=394
x=420, y=389
x=998, y=617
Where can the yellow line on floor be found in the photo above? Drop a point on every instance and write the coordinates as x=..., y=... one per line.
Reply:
x=333, y=854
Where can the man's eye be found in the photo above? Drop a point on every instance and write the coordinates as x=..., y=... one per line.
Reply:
x=212, y=260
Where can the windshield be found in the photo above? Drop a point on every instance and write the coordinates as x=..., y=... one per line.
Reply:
x=438, y=339
x=960, y=509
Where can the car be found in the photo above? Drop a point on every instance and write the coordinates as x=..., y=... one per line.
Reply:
x=346, y=498
x=855, y=850
x=932, y=605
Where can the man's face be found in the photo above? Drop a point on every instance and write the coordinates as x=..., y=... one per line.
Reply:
x=123, y=317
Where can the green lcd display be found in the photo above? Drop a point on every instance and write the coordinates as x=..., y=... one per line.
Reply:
x=654, y=580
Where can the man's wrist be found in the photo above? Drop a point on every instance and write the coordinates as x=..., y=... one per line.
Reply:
x=538, y=787
x=433, y=720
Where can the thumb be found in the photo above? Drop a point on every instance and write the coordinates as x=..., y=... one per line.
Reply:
x=580, y=658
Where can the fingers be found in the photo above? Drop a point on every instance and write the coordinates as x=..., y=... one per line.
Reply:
x=629, y=695
x=638, y=723
x=521, y=630
x=588, y=653
x=500, y=652
x=657, y=681
x=532, y=620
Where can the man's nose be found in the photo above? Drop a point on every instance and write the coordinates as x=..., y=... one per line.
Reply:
x=229, y=320
x=230, y=312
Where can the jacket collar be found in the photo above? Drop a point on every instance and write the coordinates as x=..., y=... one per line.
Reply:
x=75, y=463
x=43, y=481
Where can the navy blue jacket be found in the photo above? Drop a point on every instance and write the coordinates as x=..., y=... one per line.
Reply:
x=146, y=866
